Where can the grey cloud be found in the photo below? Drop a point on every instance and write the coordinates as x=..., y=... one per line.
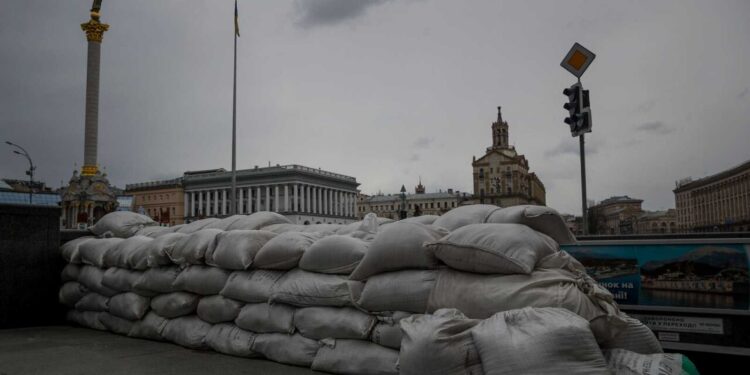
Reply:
x=423, y=142
x=414, y=157
x=656, y=127
x=568, y=147
x=331, y=12
x=646, y=106
x=743, y=93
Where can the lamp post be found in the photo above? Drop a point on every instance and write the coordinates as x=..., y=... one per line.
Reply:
x=30, y=172
x=402, y=211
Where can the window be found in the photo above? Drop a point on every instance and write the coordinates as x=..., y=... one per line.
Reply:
x=481, y=172
x=453, y=204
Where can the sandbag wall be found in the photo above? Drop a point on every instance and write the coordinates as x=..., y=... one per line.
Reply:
x=341, y=299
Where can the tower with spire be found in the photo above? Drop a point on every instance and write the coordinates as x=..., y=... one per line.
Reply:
x=419, y=189
x=502, y=175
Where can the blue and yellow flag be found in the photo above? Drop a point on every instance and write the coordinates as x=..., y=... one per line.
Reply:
x=236, y=20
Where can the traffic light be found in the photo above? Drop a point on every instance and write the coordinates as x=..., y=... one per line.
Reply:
x=579, y=118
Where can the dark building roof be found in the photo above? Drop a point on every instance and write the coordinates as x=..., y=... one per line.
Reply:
x=712, y=178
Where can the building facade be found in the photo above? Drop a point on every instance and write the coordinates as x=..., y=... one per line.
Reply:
x=502, y=175
x=720, y=202
x=657, y=222
x=417, y=204
x=615, y=215
x=163, y=201
x=302, y=194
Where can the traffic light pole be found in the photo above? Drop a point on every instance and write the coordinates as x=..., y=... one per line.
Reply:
x=584, y=210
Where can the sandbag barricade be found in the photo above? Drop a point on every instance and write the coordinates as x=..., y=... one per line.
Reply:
x=363, y=298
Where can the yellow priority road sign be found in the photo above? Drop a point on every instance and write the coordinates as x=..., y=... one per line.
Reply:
x=577, y=60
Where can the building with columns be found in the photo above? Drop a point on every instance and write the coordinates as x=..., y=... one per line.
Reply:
x=720, y=202
x=302, y=194
x=419, y=203
x=163, y=201
x=502, y=175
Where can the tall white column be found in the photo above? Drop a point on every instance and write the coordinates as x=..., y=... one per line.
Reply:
x=315, y=200
x=276, y=198
x=330, y=202
x=223, y=201
x=354, y=203
x=308, y=198
x=249, y=208
x=240, y=198
x=338, y=203
x=186, y=204
x=257, y=200
x=286, y=198
x=201, y=210
x=318, y=201
x=216, y=203
x=208, y=203
x=296, y=199
x=324, y=191
x=192, y=203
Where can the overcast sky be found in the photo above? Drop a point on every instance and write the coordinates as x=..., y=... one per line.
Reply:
x=385, y=91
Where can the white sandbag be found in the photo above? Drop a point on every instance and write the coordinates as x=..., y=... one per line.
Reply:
x=202, y=280
x=116, y=324
x=439, y=344
x=624, y=332
x=120, y=279
x=624, y=362
x=173, y=305
x=93, y=302
x=93, y=252
x=71, y=249
x=153, y=231
x=537, y=341
x=160, y=280
x=561, y=260
x=284, y=251
x=121, y=224
x=129, y=306
x=88, y=319
x=229, y=339
x=323, y=229
x=224, y=223
x=70, y=272
x=493, y=248
x=398, y=246
x=355, y=357
x=259, y=220
x=368, y=225
x=71, y=292
x=196, y=225
x=91, y=277
x=481, y=296
x=539, y=218
x=218, y=309
x=265, y=318
x=302, y=288
x=150, y=327
x=284, y=228
x=465, y=215
x=188, y=331
x=337, y=254
x=156, y=253
x=120, y=254
x=333, y=322
x=387, y=332
x=424, y=219
x=192, y=249
x=407, y=290
x=236, y=249
x=289, y=349
x=251, y=286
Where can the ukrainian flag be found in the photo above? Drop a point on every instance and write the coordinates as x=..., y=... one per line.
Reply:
x=236, y=20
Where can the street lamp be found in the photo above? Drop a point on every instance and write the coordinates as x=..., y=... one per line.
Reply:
x=30, y=172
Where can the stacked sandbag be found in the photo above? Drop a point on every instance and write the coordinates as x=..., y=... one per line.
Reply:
x=364, y=298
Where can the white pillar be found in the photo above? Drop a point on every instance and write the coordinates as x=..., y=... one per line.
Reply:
x=223, y=201
x=216, y=202
x=354, y=203
x=192, y=203
x=315, y=200
x=200, y=203
x=240, y=198
x=318, y=200
x=306, y=188
x=276, y=198
x=296, y=199
x=325, y=200
x=286, y=198
x=257, y=200
x=249, y=209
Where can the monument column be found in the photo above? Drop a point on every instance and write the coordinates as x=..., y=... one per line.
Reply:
x=94, y=34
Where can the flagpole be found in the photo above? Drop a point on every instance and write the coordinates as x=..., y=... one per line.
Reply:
x=232, y=202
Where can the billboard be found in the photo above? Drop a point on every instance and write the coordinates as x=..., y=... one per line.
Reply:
x=701, y=275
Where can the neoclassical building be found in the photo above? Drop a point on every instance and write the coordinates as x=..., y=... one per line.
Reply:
x=163, y=201
x=302, y=194
x=502, y=175
x=419, y=203
x=720, y=202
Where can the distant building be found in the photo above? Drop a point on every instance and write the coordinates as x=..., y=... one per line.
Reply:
x=302, y=194
x=657, y=222
x=417, y=204
x=615, y=215
x=720, y=202
x=502, y=175
x=163, y=201
x=22, y=186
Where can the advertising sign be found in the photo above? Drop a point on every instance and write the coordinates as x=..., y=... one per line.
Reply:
x=674, y=275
